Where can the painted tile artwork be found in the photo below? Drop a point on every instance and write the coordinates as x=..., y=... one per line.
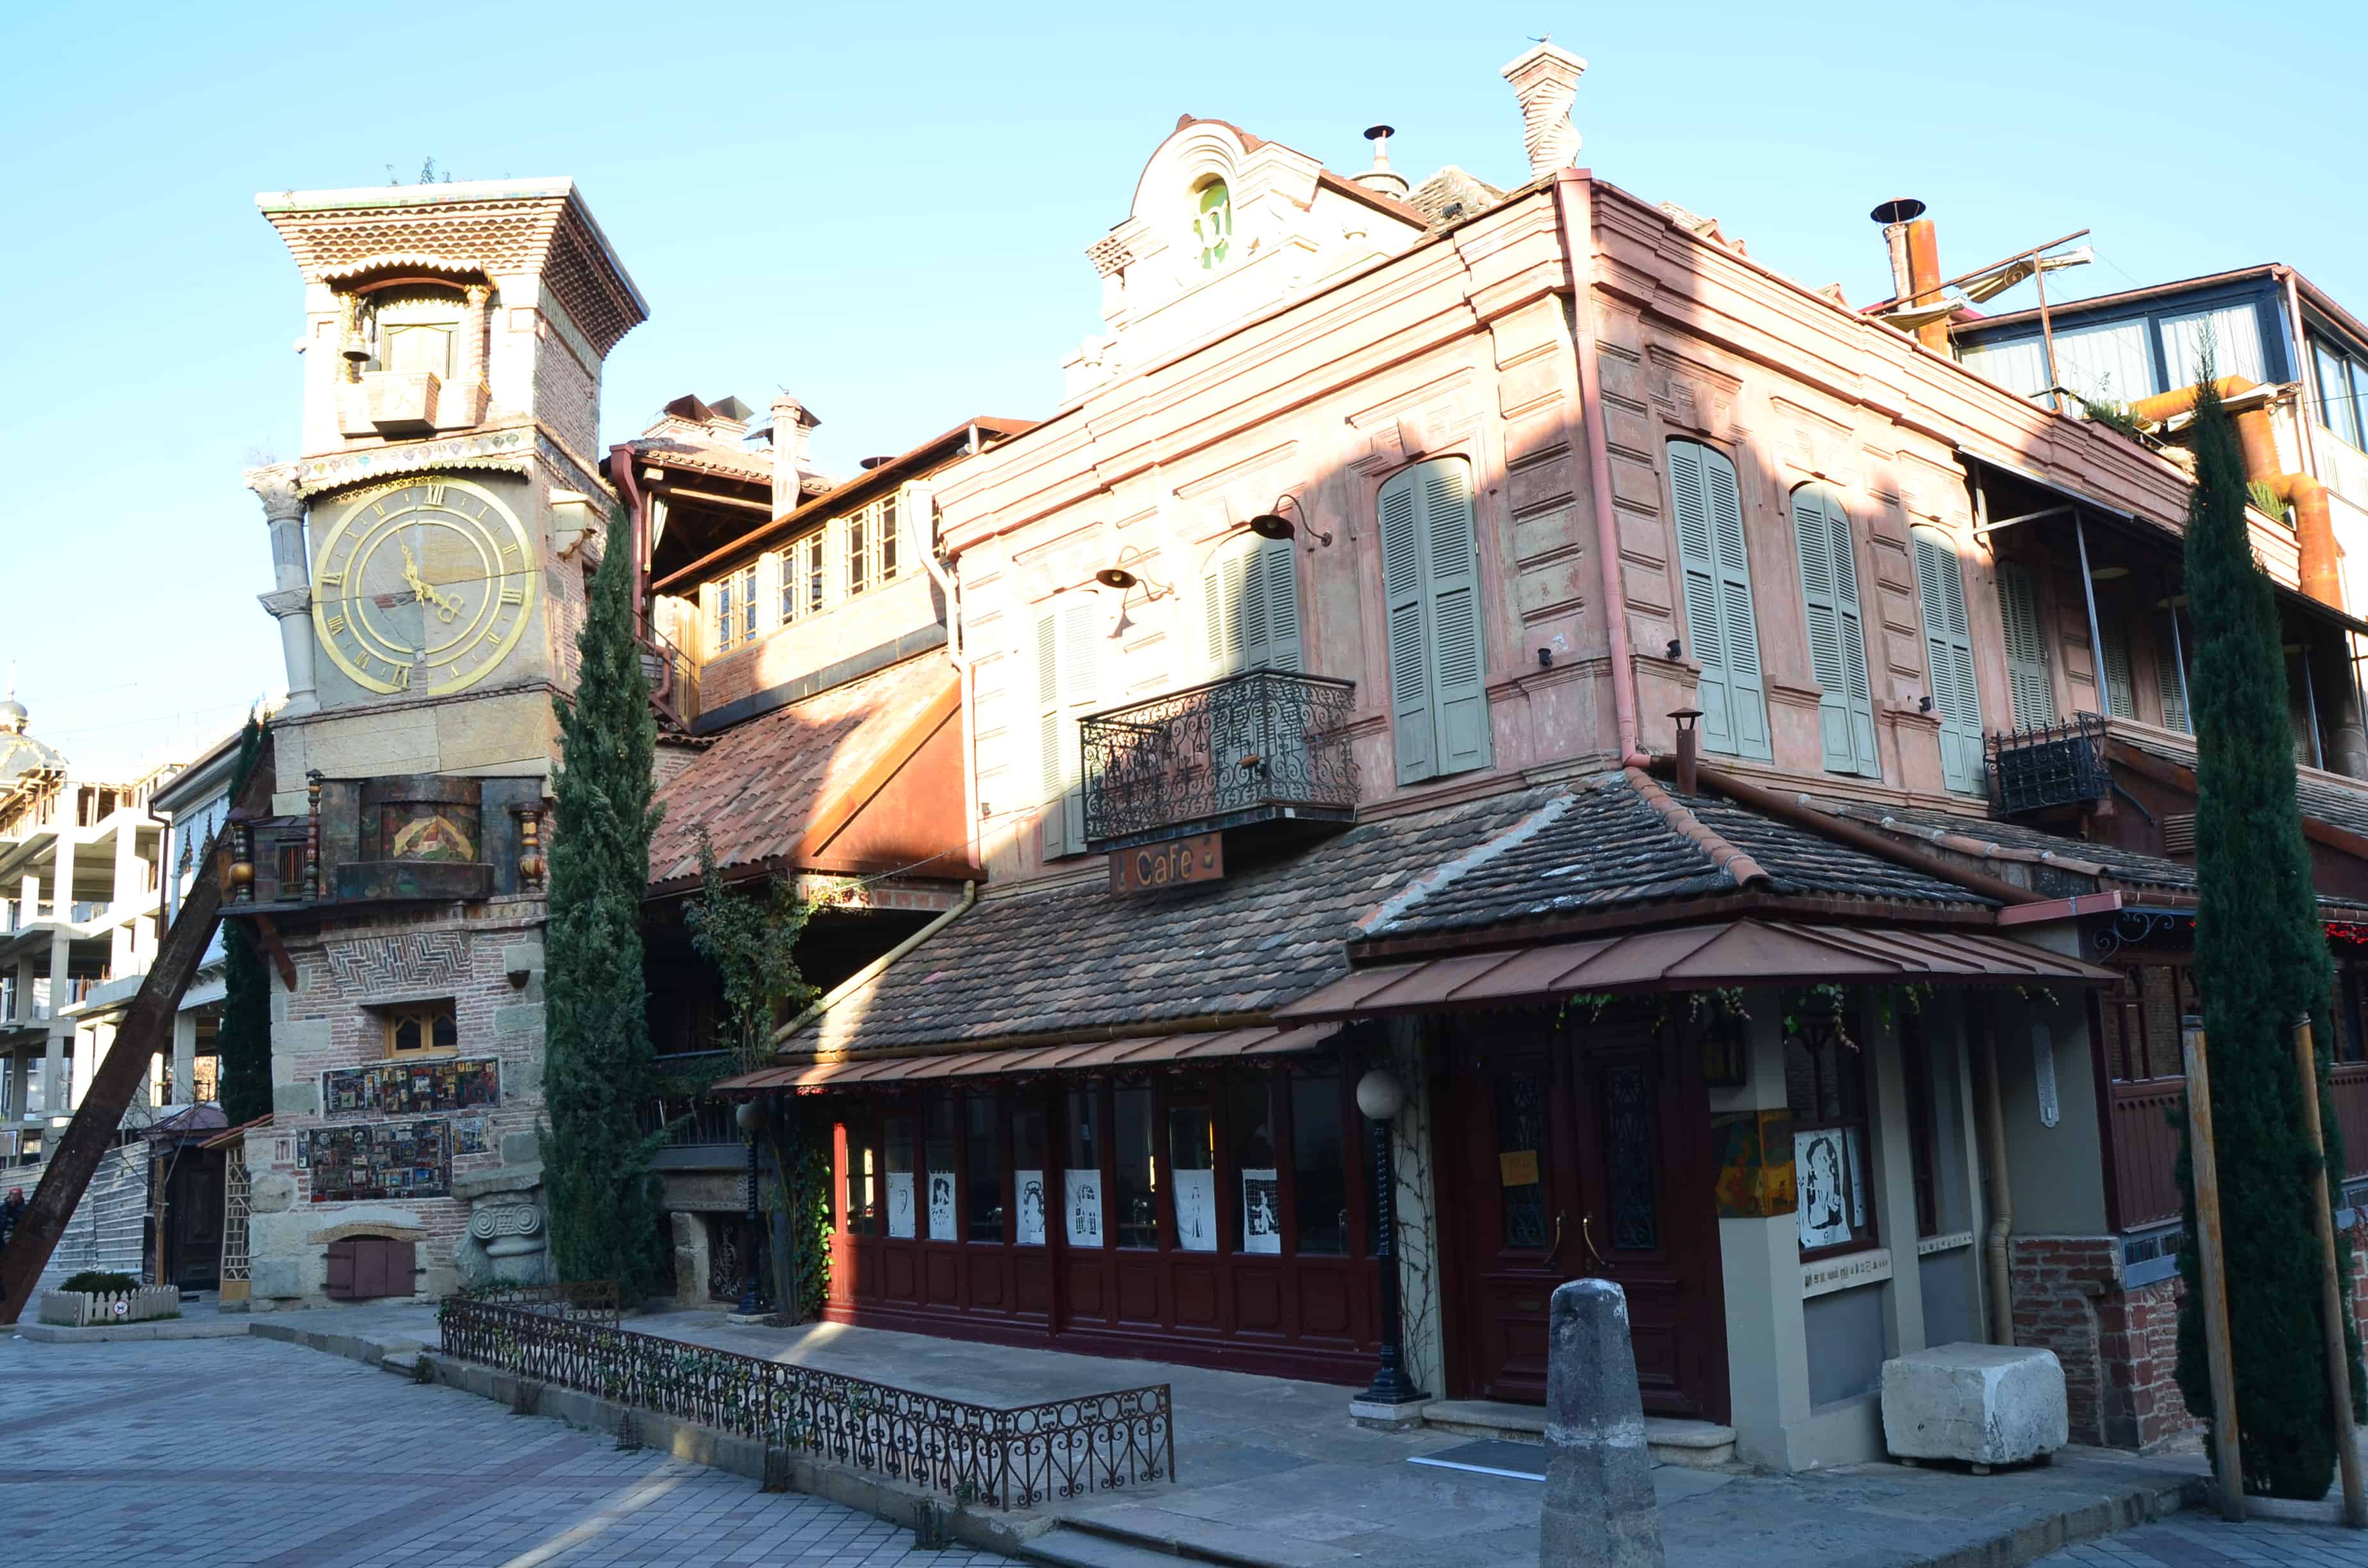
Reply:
x=411, y=1088
x=382, y=1159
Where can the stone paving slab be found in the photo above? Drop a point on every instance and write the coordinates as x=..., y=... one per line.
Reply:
x=2198, y=1539
x=248, y=1451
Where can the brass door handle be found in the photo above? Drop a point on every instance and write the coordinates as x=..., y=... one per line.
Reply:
x=1586, y=1234
x=1558, y=1243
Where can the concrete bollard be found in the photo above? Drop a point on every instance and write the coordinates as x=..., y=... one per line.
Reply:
x=1599, y=1511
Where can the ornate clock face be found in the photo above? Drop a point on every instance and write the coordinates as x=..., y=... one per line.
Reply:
x=424, y=587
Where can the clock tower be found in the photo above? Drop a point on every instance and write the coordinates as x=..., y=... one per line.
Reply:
x=430, y=550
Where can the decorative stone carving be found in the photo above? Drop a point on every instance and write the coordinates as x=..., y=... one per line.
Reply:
x=277, y=486
x=507, y=1241
x=1545, y=79
x=375, y=966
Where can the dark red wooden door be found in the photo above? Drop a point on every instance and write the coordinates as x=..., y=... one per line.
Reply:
x=1577, y=1159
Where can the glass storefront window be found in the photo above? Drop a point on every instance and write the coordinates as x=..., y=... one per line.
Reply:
x=982, y=1175
x=896, y=1137
x=1319, y=1175
x=1136, y=1183
x=862, y=1182
x=1250, y=1105
x=1081, y=1191
x=1193, y=1176
x=1027, y=1174
x=939, y=1122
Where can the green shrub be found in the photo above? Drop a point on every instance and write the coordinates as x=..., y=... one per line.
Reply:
x=99, y=1281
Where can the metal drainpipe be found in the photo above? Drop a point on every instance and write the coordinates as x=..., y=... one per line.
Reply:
x=2089, y=596
x=1571, y=190
x=2001, y=1226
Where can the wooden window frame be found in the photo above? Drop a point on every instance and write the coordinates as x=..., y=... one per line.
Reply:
x=428, y=1015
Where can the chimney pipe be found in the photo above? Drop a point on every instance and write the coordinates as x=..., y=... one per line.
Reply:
x=1689, y=749
x=1914, y=250
x=791, y=423
x=1380, y=178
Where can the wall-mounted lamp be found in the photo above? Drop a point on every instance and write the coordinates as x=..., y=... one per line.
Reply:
x=1546, y=658
x=1676, y=649
x=1924, y=703
x=1116, y=575
x=1272, y=524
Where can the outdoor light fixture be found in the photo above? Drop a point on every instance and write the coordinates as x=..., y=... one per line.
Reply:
x=1924, y=703
x=1272, y=524
x=1676, y=647
x=1380, y=1096
x=2107, y=574
x=1116, y=575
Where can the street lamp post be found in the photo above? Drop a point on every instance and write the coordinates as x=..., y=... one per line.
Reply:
x=750, y=1115
x=1380, y=1096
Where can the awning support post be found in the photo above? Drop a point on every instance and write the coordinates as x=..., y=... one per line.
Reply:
x=2088, y=597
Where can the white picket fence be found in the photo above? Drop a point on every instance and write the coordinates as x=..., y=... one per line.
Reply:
x=96, y=1309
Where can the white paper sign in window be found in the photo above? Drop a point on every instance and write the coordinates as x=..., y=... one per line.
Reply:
x=941, y=1207
x=1822, y=1206
x=1196, y=1211
x=1085, y=1209
x=900, y=1204
x=1030, y=1185
x=1261, y=1211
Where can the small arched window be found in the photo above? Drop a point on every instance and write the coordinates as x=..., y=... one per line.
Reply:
x=412, y=327
x=1213, y=223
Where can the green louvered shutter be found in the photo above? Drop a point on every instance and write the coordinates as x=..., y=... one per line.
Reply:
x=1402, y=590
x=1220, y=608
x=1722, y=633
x=2026, y=648
x=1459, y=688
x=2171, y=681
x=1949, y=651
x=1837, y=636
x=2121, y=690
x=1250, y=609
x=1068, y=684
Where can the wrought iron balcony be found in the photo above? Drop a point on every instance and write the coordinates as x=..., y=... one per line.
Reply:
x=2060, y=765
x=1262, y=746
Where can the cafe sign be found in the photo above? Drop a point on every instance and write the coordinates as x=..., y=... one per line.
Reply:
x=1148, y=866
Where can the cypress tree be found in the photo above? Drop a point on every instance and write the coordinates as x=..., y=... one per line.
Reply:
x=599, y=1065
x=2261, y=960
x=243, y=1039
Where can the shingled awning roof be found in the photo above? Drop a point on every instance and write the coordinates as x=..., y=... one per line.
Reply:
x=774, y=790
x=998, y=986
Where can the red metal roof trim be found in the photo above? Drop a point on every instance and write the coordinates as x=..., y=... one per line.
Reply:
x=852, y=1071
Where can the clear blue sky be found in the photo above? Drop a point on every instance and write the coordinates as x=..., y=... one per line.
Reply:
x=883, y=207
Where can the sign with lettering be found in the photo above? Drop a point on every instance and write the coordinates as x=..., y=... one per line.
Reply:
x=1200, y=858
x=1830, y=1274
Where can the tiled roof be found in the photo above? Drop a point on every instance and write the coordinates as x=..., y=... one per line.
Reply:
x=2123, y=865
x=2330, y=803
x=1450, y=194
x=758, y=787
x=1081, y=957
x=1605, y=846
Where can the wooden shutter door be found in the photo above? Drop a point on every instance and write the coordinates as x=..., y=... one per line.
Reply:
x=1949, y=651
x=1743, y=683
x=2121, y=690
x=1271, y=607
x=1402, y=591
x=1080, y=691
x=1458, y=689
x=2171, y=682
x=1813, y=544
x=2026, y=648
x=1051, y=754
x=1221, y=612
x=1698, y=563
x=1853, y=635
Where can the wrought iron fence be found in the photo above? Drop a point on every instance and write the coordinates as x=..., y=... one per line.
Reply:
x=1228, y=750
x=1013, y=1458
x=2055, y=765
x=579, y=1300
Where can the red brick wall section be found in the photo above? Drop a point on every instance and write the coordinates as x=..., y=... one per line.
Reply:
x=2058, y=1283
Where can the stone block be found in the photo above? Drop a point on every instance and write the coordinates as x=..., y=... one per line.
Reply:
x=520, y=1148
x=522, y=1018
x=1984, y=1405
x=1600, y=1510
x=277, y=1279
x=296, y=1100
x=272, y=1193
x=517, y=956
x=300, y=1034
x=522, y=1080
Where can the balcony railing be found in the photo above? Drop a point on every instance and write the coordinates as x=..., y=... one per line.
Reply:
x=2060, y=765
x=1251, y=747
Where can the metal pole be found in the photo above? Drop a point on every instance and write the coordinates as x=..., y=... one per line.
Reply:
x=2212, y=1270
x=2047, y=333
x=2178, y=651
x=2310, y=701
x=1391, y=1385
x=2088, y=597
x=2330, y=1285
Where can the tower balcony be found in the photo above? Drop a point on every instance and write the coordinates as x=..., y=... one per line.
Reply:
x=1266, y=745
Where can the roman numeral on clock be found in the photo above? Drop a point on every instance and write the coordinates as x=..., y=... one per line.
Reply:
x=335, y=624
x=333, y=579
x=513, y=595
x=435, y=491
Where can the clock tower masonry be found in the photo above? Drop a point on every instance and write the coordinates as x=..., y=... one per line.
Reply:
x=430, y=551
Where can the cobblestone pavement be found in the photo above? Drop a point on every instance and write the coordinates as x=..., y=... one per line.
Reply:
x=248, y=1451
x=2200, y=1540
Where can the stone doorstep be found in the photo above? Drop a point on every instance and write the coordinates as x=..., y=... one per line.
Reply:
x=1697, y=1445
x=1088, y=1542
x=155, y=1328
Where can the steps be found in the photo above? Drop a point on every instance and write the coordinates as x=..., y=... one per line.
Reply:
x=1697, y=1445
x=1090, y=1543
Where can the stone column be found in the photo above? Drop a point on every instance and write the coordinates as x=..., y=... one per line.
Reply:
x=125, y=890
x=28, y=906
x=290, y=602
x=477, y=321
x=1599, y=1511
x=185, y=1059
